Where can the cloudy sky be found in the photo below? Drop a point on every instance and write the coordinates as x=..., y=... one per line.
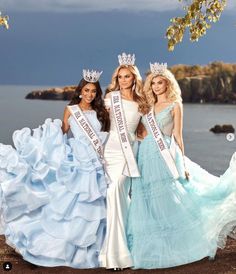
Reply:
x=50, y=41
x=95, y=5
x=89, y=5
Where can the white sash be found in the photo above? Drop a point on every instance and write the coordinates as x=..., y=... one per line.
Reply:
x=131, y=168
x=77, y=113
x=161, y=144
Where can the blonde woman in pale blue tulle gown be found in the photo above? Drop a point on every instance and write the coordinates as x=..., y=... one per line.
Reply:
x=175, y=221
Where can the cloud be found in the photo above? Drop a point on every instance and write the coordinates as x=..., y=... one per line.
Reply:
x=89, y=5
x=95, y=5
x=231, y=6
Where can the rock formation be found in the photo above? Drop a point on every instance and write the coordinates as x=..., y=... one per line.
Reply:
x=223, y=129
x=64, y=93
x=208, y=89
x=213, y=83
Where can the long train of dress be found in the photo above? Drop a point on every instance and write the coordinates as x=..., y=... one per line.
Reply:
x=174, y=222
x=53, y=192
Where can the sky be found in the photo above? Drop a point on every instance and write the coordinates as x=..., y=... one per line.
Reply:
x=95, y=5
x=50, y=41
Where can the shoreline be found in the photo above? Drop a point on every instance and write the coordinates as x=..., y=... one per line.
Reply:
x=224, y=263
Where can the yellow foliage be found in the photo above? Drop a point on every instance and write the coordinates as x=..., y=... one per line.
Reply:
x=4, y=21
x=198, y=16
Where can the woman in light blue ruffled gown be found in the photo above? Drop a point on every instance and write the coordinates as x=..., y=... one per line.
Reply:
x=175, y=221
x=53, y=188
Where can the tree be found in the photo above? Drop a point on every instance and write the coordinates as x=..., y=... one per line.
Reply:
x=4, y=20
x=199, y=15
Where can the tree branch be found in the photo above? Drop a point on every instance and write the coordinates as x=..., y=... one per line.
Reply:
x=199, y=15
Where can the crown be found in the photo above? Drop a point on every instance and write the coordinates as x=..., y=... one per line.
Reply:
x=126, y=59
x=158, y=68
x=91, y=76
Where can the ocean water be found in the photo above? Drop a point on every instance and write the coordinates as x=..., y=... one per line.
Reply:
x=211, y=151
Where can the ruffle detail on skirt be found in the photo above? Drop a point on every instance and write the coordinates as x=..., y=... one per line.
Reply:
x=179, y=221
x=53, y=192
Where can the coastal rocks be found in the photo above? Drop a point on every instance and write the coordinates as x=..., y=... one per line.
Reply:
x=65, y=93
x=208, y=89
x=223, y=129
x=213, y=83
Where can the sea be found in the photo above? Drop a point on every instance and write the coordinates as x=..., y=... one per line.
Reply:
x=211, y=151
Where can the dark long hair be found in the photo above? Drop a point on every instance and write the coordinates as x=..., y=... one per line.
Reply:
x=97, y=104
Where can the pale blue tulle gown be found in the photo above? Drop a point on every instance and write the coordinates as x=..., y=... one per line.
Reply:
x=174, y=222
x=53, y=193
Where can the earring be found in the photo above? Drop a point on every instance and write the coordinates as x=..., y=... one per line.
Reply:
x=80, y=96
x=134, y=86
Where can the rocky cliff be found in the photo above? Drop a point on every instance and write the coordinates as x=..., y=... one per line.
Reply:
x=213, y=83
x=64, y=93
x=209, y=89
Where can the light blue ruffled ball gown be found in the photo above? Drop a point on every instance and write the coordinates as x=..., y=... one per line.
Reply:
x=53, y=192
x=175, y=222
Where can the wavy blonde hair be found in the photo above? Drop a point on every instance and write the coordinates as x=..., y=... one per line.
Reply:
x=173, y=89
x=137, y=88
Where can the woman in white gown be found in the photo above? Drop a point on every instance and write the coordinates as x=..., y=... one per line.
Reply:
x=127, y=85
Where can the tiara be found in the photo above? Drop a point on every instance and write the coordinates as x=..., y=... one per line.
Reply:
x=158, y=68
x=91, y=76
x=126, y=59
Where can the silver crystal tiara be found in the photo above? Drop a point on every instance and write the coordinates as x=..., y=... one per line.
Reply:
x=158, y=68
x=91, y=76
x=126, y=59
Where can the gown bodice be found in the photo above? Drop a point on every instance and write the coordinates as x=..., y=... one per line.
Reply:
x=91, y=116
x=164, y=120
x=131, y=113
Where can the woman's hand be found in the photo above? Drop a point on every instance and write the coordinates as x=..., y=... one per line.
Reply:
x=187, y=175
x=141, y=132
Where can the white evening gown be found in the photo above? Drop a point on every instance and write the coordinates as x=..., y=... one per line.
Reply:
x=115, y=253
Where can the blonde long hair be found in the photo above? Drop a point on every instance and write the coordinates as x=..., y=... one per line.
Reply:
x=173, y=89
x=137, y=88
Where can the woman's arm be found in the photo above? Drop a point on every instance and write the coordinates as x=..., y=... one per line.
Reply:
x=178, y=131
x=107, y=101
x=65, y=125
x=178, y=125
x=141, y=131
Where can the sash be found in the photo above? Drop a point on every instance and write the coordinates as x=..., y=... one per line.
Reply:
x=131, y=168
x=81, y=120
x=161, y=144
